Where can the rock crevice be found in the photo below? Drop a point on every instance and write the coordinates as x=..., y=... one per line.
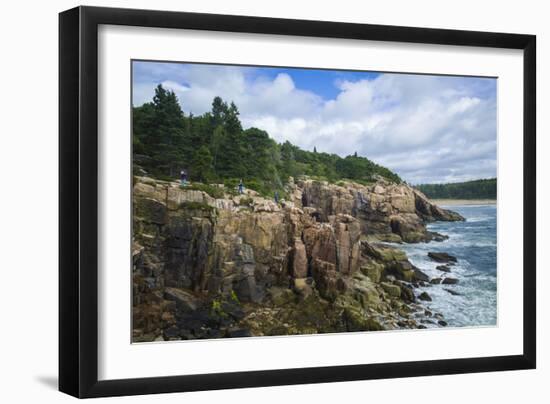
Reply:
x=312, y=263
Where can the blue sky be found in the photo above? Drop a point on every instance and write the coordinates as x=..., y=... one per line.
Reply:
x=427, y=128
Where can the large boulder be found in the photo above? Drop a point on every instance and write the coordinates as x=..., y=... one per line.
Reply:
x=441, y=257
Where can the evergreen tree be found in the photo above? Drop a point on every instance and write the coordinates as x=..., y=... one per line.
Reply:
x=232, y=122
x=214, y=147
x=219, y=111
x=201, y=165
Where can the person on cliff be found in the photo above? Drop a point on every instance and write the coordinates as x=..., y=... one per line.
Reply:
x=183, y=178
x=241, y=187
x=277, y=197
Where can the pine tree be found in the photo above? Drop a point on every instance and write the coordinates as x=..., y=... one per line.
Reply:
x=219, y=111
x=232, y=122
x=201, y=165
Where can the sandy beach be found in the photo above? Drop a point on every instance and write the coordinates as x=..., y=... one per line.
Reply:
x=455, y=202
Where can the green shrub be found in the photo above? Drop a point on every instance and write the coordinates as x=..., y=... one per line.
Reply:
x=246, y=201
x=190, y=205
x=212, y=190
x=234, y=296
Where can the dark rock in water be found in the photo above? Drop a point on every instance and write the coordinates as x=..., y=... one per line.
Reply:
x=437, y=236
x=452, y=292
x=443, y=268
x=425, y=296
x=422, y=327
x=449, y=281
x=435, y=281
x=442, y=323
x=426, y=321
x=238, y=332
x=420, y=276
x=428, y=313
x=441, y=257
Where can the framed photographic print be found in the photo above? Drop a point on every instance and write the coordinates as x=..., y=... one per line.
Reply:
x=251, y=201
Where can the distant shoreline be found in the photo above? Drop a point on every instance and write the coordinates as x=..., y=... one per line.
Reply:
x=456, y=202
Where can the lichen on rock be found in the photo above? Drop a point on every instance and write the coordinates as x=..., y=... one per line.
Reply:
x=206, y=267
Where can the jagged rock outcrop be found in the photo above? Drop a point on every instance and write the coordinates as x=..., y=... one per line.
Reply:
x=208, y=267
x=393, y=212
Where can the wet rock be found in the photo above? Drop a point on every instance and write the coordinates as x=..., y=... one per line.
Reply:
x=441, y=257
x=449, y=281
x=452, y=292
x=420, y=276
x=434, y=236
x=442, y=323
x=425, y=296
x=435, y=281
x=443, y=268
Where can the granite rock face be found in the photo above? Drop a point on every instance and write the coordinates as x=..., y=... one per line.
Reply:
x=208, y=268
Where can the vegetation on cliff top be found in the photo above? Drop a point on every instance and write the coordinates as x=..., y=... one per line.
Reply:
x=214, y=147
x=478, y=189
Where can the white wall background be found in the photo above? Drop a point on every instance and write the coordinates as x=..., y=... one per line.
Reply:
x=28, y=199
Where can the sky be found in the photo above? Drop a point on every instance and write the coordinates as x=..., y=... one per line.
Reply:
x=427, y=128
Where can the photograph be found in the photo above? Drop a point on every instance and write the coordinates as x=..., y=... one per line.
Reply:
x=277, y=201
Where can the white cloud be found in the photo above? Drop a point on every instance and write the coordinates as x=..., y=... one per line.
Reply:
x=176, y=87
x=427, y=128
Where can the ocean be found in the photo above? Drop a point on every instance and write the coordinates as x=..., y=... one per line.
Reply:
x=474, y=243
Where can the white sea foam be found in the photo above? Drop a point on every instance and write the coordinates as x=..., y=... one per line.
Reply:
x=474, y=244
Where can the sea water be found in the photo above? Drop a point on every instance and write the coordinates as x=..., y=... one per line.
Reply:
x=474, y=243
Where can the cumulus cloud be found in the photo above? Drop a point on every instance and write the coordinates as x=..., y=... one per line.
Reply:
x=426, y=128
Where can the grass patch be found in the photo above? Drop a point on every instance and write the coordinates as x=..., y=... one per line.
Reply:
x=246, y=201
x=190, y=205
x=212, y=190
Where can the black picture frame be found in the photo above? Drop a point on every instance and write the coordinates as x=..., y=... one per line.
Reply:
x=78, y=201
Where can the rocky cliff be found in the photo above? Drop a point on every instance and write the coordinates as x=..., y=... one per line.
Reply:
x=206, y=267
